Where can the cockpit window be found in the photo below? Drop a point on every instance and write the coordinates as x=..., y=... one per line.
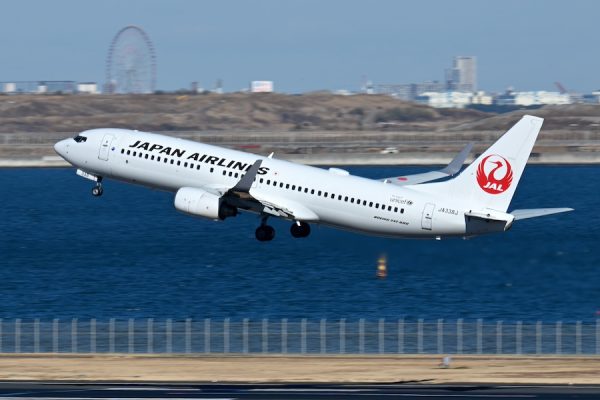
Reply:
x=80, y=139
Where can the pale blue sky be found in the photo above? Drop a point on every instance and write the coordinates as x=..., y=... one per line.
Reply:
x=310, y=44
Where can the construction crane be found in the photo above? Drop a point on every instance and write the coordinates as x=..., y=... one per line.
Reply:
x=561, y=88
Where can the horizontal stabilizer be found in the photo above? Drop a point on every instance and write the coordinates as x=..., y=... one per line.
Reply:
x=537, y=212
x=451, y=169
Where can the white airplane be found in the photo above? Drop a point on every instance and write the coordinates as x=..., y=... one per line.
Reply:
x=216, y=183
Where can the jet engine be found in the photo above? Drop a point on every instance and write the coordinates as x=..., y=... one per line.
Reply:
x=201, y=203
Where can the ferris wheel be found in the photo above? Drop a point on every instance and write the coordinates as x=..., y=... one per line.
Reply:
x=131, y=62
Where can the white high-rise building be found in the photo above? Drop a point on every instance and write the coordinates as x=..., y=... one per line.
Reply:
x=463, y=75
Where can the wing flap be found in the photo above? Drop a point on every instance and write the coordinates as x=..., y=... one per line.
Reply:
x=285, y=208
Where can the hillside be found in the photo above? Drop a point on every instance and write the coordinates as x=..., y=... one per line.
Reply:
x=240, y=111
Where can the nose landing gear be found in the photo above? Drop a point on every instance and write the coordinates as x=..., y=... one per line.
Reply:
x=97, y=190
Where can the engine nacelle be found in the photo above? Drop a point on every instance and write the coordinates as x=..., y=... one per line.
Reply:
x=201, y=203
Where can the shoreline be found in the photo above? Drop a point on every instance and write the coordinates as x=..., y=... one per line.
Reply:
x=356, y=159
x=481, y=369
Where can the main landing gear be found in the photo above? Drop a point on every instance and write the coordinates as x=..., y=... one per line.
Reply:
x=264, y=233
x=97, y=190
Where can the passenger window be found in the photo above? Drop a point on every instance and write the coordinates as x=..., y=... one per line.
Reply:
x=287, y=185
x=268, y=181
x=389, y=208
x=312, y=191
x=299, y=188
x=346, y=198
x=191, y=166
x=319, y=193
x=185, y=164
x=293, y=187
x=325, y=194
x=395, y=209
x=146, y=157
x=152, y=158
x=305, y=190
x=370, y=204
x=178, y=162
x=134, y=153
x=339, y=197
x=352, y=200
x=122, y=151
x=364, y=202
x=376, y=205
x=280, y=184
x=128, y=152
x=261, y=180
x=274, y=183
x=198, y=167
x=172, y=161
x=402, y=211
x=212, y=170
x=158, y=158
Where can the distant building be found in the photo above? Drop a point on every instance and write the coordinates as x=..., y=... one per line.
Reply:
x=462, y=76
x=39, y=87
x=87, y=88
x=448, y=99
x=261, y=86
x=593, y=98
x=410, y=91
x=483, y=98
x=533, y=98
x=9, y=87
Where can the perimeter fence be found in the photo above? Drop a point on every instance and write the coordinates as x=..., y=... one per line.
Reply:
x=302, y=336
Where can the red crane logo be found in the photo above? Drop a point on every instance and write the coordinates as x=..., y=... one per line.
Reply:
x=494, y=174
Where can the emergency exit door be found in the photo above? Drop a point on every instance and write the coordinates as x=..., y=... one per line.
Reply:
x=427, y=220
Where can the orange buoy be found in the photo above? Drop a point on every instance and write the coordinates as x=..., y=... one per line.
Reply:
x=382, y=267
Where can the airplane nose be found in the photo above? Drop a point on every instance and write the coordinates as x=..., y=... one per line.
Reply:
x=61, y=148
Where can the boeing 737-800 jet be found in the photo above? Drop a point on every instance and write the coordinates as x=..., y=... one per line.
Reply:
x=216, y=183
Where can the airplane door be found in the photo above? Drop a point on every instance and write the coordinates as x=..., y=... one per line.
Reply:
x=105, y=147
x=426, y=221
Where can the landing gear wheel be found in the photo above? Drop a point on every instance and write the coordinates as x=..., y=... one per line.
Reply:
x=265, y=233
x=97, y=190
x=300, y=231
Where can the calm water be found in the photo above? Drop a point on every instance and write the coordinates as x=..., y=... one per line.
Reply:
x=66, y=254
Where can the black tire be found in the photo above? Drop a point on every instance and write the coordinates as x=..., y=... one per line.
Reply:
x=300, y=231
x=265, y=233
x=97, y=191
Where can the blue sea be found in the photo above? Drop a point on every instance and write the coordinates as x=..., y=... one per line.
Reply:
x=65, y=254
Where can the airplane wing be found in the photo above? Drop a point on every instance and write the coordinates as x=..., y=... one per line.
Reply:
x=285, y=208
x=241, y=196
x=451, y=169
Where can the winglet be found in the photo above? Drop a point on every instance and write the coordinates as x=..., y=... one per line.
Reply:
x=247, y=180
x=458, y=161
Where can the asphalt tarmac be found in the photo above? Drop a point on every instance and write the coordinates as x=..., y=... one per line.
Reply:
x=75, y=390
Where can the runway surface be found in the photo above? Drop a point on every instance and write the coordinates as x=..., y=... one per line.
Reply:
x=72, y=391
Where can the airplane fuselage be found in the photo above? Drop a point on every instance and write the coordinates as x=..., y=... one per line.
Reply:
x=337, y=198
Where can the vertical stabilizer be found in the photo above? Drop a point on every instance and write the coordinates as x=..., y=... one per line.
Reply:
x=490, y=181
